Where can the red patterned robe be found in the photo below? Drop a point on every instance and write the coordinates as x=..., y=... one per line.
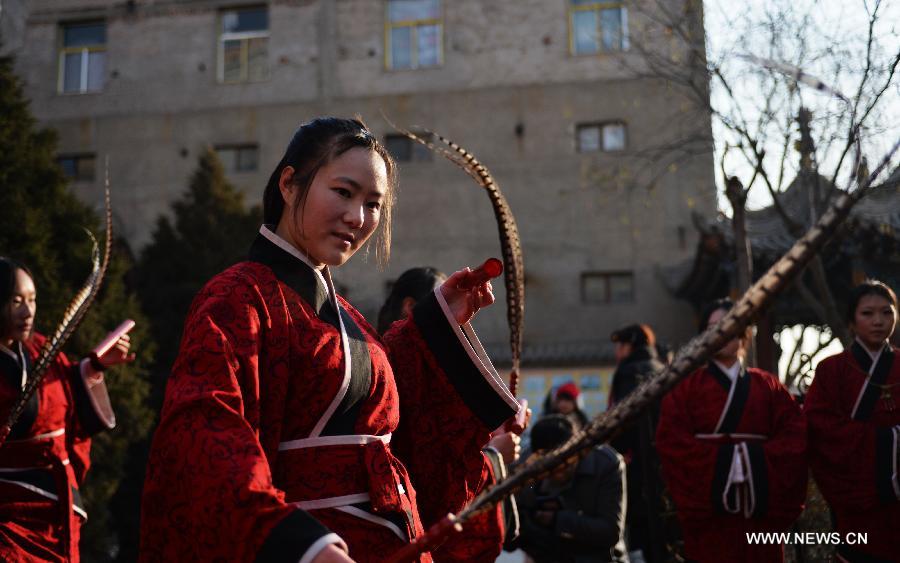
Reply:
x=854, y=442
x=285, y=427
x=46, y=456
x=709, y=422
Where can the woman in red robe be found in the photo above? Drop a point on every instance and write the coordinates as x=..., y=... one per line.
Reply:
x=854, y=429
x=290, y=430
x=46, y=456
x=732, y=444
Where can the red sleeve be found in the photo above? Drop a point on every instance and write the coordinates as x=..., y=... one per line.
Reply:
x=842, y=450
x=450, y=402
x=208, y=493
x=688, y=464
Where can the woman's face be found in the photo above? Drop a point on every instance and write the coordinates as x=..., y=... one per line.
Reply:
x=874, y=320
x=728, y=353
x=22, y=307
x=341, y=209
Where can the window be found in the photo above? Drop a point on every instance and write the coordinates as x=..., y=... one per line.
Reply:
x=413, y=34
x=404, y=149
x=607, y=137
x=78, y=167
x=239, y=158
x=82, y=58
x=597, y=27
x=244, y=45
x=607, y=287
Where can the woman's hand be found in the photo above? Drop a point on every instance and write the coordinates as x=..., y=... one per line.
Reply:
x=464, y=303
x=332, y=554
x=509, y=446
x=118, y=354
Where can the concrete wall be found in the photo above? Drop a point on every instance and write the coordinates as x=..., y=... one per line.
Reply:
x=576, y=212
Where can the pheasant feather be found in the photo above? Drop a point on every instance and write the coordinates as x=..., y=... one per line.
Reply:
x=510, y=244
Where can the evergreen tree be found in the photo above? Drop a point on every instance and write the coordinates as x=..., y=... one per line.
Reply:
x=43, y=227
x=211, y=230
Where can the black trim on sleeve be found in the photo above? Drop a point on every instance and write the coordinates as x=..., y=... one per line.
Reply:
x=720, y=476
x=291, y=538
x=465, y=376
x=884, y=457
x=760, y=478
x=91, y=404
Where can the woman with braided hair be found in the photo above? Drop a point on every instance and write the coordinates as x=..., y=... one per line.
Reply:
x=854, y=428
x=291, y=431
x=732, y=445
x=44, y=459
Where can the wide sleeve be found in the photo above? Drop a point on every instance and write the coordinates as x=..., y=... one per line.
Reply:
x=451, y=399
x=208, y=493
x=688, y=463
x=853, y=461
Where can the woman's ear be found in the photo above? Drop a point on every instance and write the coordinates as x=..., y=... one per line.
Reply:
x=286, y=185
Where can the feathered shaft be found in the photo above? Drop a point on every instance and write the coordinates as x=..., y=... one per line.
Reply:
x=72, y=318
x=510, y=244
x=608, y=425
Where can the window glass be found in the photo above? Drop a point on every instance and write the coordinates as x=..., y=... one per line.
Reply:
x=584, y=29
x=240, y=21
x=614, y=137
x=96, y=70
x=79, y=167
x=72, y=72
x=588, y=138
x=611, y=26
x=621, y=288
x=534, y=384
x=429, y=45
x=401, y=47
x=257, y=58
x=84, y=35
x=405, y=10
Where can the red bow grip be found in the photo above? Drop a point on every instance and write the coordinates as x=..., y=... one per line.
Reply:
x=111, y=339
x=491, y=268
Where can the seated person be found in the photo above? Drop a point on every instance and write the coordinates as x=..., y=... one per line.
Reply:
x=578, y=512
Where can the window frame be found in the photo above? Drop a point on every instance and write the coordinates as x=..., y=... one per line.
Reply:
x=84, y=51
x=597, y=6
x=390, y=25
x=237, y=148
x=418, y=153
x=601, y=126
x=244, y=37
x=77, y=156
x=607, y=276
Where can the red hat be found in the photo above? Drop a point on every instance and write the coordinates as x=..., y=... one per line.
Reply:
x=569, y=390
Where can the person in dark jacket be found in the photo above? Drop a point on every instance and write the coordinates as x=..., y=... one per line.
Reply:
x=635, y=351
x=577, y=515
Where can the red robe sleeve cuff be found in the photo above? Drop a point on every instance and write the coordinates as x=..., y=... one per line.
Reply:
x=461, y=356
x=95, y=412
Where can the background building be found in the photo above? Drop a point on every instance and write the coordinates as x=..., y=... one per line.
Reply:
x=544, y=92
